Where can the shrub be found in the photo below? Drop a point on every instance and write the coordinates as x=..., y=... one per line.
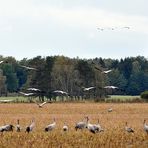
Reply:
x=144, y=95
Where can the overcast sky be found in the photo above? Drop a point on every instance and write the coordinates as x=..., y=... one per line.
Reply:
x=29, y=28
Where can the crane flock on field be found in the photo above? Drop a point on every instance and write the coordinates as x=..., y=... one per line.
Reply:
x=82, y=125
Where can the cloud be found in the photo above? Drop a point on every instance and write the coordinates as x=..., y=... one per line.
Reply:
x=72, y=26
x=6, y=28
x=76, y=17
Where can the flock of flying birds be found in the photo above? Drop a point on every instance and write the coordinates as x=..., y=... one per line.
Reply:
x=34, y=91
x=113, y=28
x=85, y=124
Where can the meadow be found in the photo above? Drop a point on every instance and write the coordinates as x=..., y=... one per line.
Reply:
x=114, y=134
x=111, y=98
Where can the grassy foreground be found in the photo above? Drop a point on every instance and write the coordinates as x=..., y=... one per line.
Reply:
x=113, y=124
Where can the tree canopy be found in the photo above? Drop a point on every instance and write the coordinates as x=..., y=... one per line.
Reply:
x=72, y=75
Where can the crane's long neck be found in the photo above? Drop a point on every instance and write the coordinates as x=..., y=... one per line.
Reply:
x=32, y=123
x=18, y=122
x=87, y=121
x=126, y=124
x=144, y=123
x=54, y=122
x=98, y=121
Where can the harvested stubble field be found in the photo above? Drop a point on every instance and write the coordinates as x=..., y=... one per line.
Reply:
x=114, y=134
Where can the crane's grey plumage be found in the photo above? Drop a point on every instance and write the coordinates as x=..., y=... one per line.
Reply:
x=81, y=124
x=8, y=127
x=65, y=127
x=91, y=127
x=110, y=109
x=31, y=126
x=51, y=126
x=145, y=126
x=94, y=128
x=98, y=127
x=128, y=129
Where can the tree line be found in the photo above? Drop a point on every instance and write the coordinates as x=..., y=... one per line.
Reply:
x=72, y=75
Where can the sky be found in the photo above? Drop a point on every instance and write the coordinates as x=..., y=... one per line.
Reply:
x=29, y=28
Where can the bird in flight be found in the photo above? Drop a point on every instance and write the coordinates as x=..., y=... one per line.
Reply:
x=88, y=88
x=126, y=27
x=28, y=68
x=103, y=71
x=26, y=94
x=41, y=105
x=1, y=62
x=113, y=28
x=106, y=71
x=107, y=28
x=111, y=87
x=60, y=92
x=34, y=89
x=101, y=29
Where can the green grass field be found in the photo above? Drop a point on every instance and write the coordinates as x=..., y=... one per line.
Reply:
x=123, y=98
x=113, y=98
x=16, y=99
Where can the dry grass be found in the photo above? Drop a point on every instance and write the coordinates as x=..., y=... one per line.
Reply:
x=113, y=123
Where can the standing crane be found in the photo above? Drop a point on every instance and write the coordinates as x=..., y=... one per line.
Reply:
x=98, y=127
x=81, y=124
x=18, y=128
x=65, y=127
x=145, y=126
x=51, y=126
x=31, y=126
x=7, y=128
x=128, y=129
x=110, y=109
x=90, y=126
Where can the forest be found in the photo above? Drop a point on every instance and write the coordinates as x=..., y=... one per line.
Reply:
x=72, y=75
